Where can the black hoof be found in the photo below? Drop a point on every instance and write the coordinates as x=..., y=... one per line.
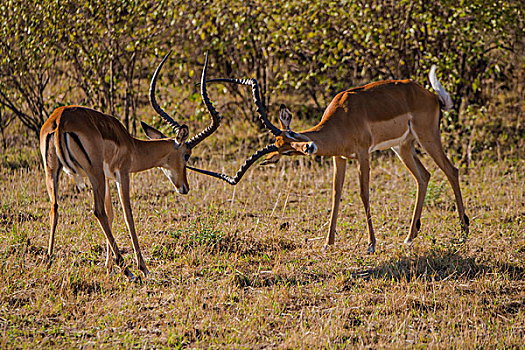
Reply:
x=467, y=221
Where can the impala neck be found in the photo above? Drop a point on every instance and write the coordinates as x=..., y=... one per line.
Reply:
x=328, y=138
x=149, y=154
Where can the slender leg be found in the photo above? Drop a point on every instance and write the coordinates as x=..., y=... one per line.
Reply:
x=364, y=179
x=435, y=150
x=99, y=189
x=52, y=174
x=123, y=190
x=109, y=211
x=338, y=180
x=52, y=168
x=407, y=154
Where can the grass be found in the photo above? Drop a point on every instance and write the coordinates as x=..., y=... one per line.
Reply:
x=244, y=267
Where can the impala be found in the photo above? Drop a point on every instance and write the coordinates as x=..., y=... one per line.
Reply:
x=88, y=143
x=387, y=114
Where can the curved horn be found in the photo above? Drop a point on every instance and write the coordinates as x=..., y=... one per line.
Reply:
x=244, y=167
x=256, y=98
x=215, y=116
x=152, y=99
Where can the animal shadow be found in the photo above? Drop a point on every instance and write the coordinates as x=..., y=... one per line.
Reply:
x=439, y=265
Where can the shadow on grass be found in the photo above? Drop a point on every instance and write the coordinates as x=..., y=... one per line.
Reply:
x=10, y=217
x=214, y=242
x=269, y=279
x=439, y=265
x=433, y=266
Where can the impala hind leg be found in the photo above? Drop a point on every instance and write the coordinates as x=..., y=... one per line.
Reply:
x=338, y=180
x=407, y=154
x=52, y=169
x=52, y=174
x=99, y=190
x=431, y=142
x=364, y=180
x=123, y=190
x=109, y=212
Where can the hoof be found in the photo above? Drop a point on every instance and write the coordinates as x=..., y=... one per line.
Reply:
x=408, y=243
x=141, y=266
x=327, y=247
x=466, y=222
x=328, y=243
x=48, y=261
x=130, y=275
x=371, y=249
x=146, y=272
x=110, y=267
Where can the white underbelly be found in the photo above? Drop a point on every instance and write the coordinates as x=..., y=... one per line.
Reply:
x=389, y=143
x=81, y=173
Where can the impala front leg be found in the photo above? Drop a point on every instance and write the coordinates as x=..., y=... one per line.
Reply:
x=123, y=191
x=364, y=179
x=339, y=177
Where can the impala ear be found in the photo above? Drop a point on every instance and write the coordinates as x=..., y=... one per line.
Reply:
x=151, y=132
x=271, y=158
x=182, y=134
x=285, y=117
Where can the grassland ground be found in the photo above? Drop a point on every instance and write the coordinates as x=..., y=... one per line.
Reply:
x=244, y=267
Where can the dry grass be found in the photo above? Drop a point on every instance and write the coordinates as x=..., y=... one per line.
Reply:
x=244, y=267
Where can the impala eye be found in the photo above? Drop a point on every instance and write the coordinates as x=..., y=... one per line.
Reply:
x=186, y=157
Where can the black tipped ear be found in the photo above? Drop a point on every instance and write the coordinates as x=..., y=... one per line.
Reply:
x=151, y=132
x=285, y=117
x=182, y=134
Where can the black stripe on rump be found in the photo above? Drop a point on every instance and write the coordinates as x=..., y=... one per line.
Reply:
x=68, y=148
x=79, y=144
x=66, y=163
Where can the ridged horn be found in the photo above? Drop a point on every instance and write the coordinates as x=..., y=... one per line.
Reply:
x=244, y=167
x=153, y=100
x=215, y=116
x=256, y=98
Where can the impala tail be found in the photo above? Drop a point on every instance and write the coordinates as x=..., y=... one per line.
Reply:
x=444, y=98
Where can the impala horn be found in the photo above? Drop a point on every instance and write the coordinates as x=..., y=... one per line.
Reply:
x=264, y=119
x=153, y=100
x=215, y=116
x=244, y=167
